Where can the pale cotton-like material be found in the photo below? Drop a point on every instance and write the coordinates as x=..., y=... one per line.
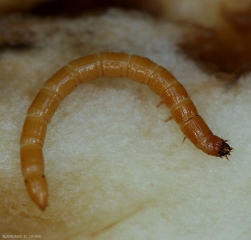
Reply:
x=115, y=168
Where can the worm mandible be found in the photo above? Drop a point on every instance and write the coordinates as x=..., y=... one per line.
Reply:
x=84, y=69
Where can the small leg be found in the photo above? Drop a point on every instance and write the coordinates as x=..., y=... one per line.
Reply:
x=161, y=102
x=184, y=139
x=168, y=119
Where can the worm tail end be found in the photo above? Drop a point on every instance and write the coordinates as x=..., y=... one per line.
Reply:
x=37, y=188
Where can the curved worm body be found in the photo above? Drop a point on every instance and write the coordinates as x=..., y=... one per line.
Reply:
x=84, y=69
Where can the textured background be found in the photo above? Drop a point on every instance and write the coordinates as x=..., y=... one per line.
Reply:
x=116, y=169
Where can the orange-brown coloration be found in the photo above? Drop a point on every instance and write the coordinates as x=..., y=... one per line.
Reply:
x=84, y=69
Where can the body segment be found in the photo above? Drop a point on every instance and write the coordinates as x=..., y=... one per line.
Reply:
x=84, y=69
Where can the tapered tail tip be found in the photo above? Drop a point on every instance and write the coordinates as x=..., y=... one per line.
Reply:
x=37, y=188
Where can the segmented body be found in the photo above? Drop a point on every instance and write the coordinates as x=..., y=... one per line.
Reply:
x=84, y=69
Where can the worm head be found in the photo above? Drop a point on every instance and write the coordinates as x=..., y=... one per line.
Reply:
x=225, y=150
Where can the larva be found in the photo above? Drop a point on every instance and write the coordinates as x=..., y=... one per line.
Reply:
x=84, y=69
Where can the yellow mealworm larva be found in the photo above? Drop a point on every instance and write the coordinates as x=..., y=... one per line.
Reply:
x=84, y=69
